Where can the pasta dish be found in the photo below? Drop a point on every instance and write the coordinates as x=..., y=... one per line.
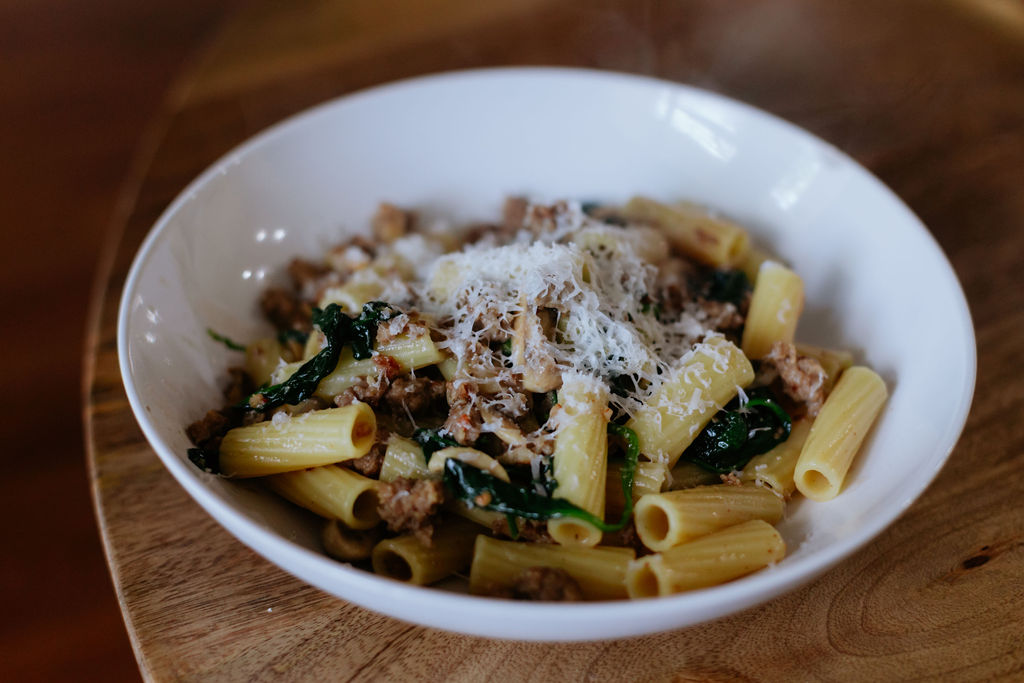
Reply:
x=575, y=402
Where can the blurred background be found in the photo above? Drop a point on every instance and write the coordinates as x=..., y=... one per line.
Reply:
x=90, y=91
x=80, y=84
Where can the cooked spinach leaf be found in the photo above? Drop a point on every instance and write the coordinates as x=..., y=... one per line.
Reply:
x=481, y=489
x=364, y=328
x=208, y=461
x=728, y=285
x=233, y=345
x=338, y=330
x=736, y=434
x=431, y=441
x=292, y=335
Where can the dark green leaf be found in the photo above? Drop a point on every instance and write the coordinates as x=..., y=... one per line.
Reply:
x=336, y=327
x=208, y=461
x=338, y=330
x=364, y=328
x=513, y=527
x=431, y=441
x=285, y=336
x=728, y=285
x=735, y=435
x=473, y=485
x=233, y=345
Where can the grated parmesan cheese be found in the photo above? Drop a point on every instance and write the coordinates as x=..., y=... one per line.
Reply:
x=593, y=293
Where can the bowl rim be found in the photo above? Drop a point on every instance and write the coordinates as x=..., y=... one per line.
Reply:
x=429, y=606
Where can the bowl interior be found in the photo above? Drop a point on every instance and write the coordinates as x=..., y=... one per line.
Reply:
x=453, y=147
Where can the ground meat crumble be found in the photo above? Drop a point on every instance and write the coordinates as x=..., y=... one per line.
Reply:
x=411, y=505
x=549, y=584
x=802, y=377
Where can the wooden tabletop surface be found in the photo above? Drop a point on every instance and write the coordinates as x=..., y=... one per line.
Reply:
x=927, y=94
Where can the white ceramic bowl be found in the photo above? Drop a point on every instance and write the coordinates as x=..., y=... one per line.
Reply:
x=454, y=145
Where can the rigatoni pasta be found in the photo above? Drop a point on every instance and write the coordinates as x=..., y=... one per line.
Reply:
x=703, y=382
x=534, y=402
x=775, y=309
x=332, y=492
x=837, y=433
x=665, y=520
x=294, y=443
x=580, y=459
x=707, y=561
x=600, y=572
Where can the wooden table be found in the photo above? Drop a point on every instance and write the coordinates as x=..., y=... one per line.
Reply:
x=929, y=95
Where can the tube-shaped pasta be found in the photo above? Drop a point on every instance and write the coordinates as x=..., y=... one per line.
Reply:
x=347, y=545
x=411, y=353
x=775, y=468
x=708, y=561
x=580, y=458
x=686, y=475
x=403, y=458
x=775, y=309
x=407, y=558
x=706, y=379
x=600, y=572
x=332, y=492
x=647, y=243
x=649, y=477
x=482, y=516
x=261, y=359
x=322, y=437
x=838, y=431
x=665, y=520
x=448, y=367
x=692, y=230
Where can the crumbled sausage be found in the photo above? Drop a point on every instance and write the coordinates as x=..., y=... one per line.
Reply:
x=388, y=365
x=305, y=406
x=626, y=538
x=285, y=311
x=464, y=422
x=353, y=255
x=540, y=219
x=410, y=505
x=731, y=479
x=490, y=233
x=548, y=584
x=309, y=277
x=239, y=385
x=513, y=213
x=365, y=390
x=529, y=530
x=720, y=315
x=211, y=426
x=390, y=222
x=403, y=323
x=413, y=394
x=369, y=390
x=370, y=464
x=802, y=376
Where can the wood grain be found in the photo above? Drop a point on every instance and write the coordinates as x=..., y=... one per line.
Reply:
x=927, y=94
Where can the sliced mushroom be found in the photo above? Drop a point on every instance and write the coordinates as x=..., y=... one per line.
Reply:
x=470, y=456
x=531, y=330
